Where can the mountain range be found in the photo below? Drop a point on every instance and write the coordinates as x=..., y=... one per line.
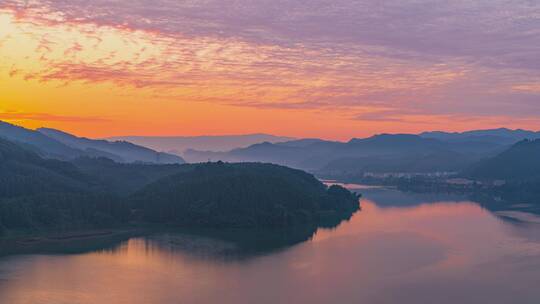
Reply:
x=179, y=144
x=50, y=179
x=40, y=194
x=423, y=153
x=426, y=152
x=519, y=163
x=51, y=143
x=494, y=136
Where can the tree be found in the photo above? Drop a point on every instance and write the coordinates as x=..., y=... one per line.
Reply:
x=2, y=229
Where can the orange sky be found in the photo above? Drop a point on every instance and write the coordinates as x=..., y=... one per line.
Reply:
x=98, y=79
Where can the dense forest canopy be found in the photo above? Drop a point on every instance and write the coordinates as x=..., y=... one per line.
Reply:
x=518, y=167
x=519, y=163
x=43, y=194
x=238, y=195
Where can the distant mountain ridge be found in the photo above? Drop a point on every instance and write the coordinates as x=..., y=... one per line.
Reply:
x=499, y=136
x=124, y=151
x=38, y=142
x=384, y=153
x=519, y=163
x=50, y=143
x=372, y=154
x=50, y=195
x=23, y=173
x=179, y=144
x=425, y=152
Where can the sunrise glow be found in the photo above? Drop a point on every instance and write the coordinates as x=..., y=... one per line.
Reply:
x=190, y=68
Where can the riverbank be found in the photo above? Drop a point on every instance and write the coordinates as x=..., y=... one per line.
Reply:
x=64, y=242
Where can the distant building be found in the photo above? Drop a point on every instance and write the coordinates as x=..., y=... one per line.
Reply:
x=499, y=183
x=460, y=181
x=408, y=175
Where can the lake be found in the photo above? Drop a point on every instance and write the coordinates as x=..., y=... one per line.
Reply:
x=400, y=248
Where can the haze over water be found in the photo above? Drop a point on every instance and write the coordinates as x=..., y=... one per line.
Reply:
x=400, y=248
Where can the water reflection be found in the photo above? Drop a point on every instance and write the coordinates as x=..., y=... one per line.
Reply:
x=448, y=251
x=225, y=245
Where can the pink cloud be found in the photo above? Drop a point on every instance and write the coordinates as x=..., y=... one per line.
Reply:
x=465, y=57
x=17, y=116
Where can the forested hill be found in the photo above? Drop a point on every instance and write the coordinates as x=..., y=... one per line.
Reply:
x=41, y=194
x=50, y=143
x=380, y=153
x=519, y=163
x=24, y=173
x=122, y=178
x=120, y=151
x=243, y=195
x=38, y=142
x=38, y=194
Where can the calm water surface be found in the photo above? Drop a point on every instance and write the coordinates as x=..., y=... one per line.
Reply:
x=400, y=248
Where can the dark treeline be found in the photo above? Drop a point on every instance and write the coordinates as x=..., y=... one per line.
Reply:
x=518, y=169
x=521, y=162
x=512, y=176
x=520, y=192
x=63, y=211
x=38, y=194
x=242, y=195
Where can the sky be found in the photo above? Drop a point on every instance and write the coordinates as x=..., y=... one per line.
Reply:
x=333, y=69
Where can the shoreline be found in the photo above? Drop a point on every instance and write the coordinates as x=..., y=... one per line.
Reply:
x=65, y=242
x=80, y=241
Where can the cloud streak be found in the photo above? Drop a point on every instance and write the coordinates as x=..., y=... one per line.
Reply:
x=491, y=32
x=11, y=115
x=368, y=60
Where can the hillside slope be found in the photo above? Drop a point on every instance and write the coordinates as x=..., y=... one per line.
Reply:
x=37, y=194
x=242, y=195
x=39, y=143
x=120, y=151
x=519, y=163
x=380, y=153
x=218, y=143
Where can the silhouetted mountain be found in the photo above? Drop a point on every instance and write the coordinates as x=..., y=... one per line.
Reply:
x=40, y=143
x=299, y=143
x=243, y=195
x=519, y=168
x=306, y=157
x=179, y=144
x=499, y=137
x=40, y=194
x=395, y=141
x=519, y=163
x=119, y=151
x=380, y=153
x=23, y=173
x=37, y=193
x=240, y=154
x=422, y=162
x=26, y=173
x=56, y=144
